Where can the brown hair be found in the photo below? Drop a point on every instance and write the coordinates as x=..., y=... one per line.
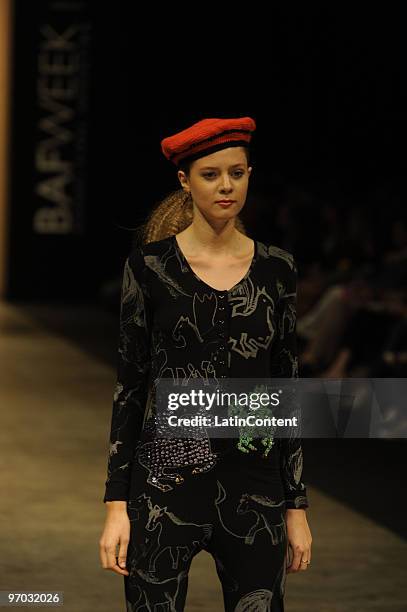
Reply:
x=175, y=213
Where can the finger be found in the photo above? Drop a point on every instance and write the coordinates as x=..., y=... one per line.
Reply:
x=295, y=564
x=287, y=557
x=305, y=557
x=122, y=554
x=290, y=558
x=121, y=565
x=112, y=562
x=303, y=565
x=103, y=556
x=307, y=554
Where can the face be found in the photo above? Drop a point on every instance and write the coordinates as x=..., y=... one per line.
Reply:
x=223, y=175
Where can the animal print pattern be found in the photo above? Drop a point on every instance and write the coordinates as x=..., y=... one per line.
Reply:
x=174, y=325
x=234, y=512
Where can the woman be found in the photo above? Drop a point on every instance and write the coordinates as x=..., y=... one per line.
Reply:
x=200, y=300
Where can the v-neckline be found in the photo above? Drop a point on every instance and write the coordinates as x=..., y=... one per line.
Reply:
x=248, y=272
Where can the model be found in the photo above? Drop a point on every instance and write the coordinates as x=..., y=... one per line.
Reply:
x=202, y=301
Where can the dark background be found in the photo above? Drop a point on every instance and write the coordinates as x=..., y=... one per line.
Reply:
x=328, y=93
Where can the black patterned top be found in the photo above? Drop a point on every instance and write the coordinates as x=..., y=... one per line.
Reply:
x=174, y=325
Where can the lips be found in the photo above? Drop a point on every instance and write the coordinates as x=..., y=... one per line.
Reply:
x=225, y=204
x=225, y=201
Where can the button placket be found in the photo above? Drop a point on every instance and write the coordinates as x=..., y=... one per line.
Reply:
x=221, y=325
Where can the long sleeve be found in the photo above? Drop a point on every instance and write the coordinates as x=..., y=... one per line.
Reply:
x=284, y=364
x=133, y=365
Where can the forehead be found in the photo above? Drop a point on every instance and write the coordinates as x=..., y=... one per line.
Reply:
x=222, y=159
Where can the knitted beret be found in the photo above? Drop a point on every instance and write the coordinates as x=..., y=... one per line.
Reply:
x=207, y=136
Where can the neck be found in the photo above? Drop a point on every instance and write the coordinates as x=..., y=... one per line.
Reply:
x=222, y=240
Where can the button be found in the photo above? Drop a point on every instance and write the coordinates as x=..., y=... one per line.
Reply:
x=221, y=362
x=221, y=295
x=222, y=348
x=221, y=308
x=221, y=321
x=223, y=375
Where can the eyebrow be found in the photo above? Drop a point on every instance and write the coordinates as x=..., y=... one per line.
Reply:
x=217, y=167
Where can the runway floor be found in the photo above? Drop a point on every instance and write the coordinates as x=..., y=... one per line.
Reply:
x=57, y=380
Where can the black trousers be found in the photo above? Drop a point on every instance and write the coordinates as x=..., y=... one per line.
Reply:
x=235, y=511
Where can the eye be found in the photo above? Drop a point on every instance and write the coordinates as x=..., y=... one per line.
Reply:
x=238, y=173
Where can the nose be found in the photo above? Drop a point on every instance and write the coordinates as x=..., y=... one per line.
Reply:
x=226, y=186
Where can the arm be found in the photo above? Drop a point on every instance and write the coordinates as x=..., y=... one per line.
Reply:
x=133, y=365
x=284, y=364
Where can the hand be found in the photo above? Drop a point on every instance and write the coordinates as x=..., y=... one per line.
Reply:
x=116, y=532
x=299, y=539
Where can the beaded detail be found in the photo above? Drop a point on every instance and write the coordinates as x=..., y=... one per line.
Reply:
x=246, y=437
x=158, y=455
x=162, y=454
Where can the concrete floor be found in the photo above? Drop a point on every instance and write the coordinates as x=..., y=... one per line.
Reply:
x=56, y=404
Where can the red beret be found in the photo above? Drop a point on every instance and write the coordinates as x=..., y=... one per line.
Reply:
x=207, y=136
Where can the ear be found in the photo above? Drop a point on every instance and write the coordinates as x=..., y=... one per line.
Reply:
x=249, y=170
x=182, y=178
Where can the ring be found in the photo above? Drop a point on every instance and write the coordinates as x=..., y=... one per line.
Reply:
x=304, y=561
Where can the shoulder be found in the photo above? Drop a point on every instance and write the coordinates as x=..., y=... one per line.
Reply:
x=156, y=247
x=281, y=259
x=140, y=252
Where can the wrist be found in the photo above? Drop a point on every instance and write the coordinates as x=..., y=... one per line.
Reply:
x=295, y=512
x=116, y=506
